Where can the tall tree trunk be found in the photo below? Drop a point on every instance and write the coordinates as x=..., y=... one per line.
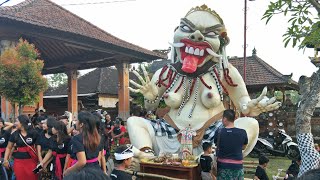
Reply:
x=310, y=94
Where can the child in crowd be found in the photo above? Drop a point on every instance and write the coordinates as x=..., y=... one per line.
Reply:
x=316, y=146
x=293, y=170
x=261, y=169
x=206, y=162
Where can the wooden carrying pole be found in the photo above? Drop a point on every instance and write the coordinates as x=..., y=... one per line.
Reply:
x=151, y=175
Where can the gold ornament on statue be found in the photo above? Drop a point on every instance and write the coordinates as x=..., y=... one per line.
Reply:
x=207, y=9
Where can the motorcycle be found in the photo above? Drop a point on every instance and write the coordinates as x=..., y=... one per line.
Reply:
x=281, y=146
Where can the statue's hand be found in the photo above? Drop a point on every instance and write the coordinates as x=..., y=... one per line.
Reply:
x=259, y=105
x=135, y=163
x=147, y=88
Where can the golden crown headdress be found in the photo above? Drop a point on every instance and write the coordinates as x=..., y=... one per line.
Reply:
x=207, y=9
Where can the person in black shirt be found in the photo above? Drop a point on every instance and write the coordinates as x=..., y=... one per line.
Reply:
x=37, y=124
x=42, y=148
x=293, y=170
x=86, y=146
x=104, y=141
x=25, y=156
x=206, y=162
x=108, y=129
x=4, y=136
x=261, y=169
x=230, y=142
x=123, y=157
x=58, y=148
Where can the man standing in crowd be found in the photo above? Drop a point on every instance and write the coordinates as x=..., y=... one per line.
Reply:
x=230, y=142
x=118, y=132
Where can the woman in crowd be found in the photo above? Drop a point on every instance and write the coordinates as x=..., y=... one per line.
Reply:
x=25, y=156
x=5, y=128
x=86, y=146
x=58, y=148
x=104, y=142
x=42, y=148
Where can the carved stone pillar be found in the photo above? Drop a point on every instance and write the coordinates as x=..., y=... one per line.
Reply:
x=123, y=91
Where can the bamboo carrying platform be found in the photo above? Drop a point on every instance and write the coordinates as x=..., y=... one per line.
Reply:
x=179, y=172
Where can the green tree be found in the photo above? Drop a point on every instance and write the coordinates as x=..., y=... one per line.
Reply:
x=304, y=26
x=20, y=75
x=303, y=30
x=58, y=79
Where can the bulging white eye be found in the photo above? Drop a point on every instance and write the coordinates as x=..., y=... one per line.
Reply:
x=185, y=28
x=212, y=34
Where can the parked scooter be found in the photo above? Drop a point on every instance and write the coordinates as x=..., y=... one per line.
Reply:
x=286, y=147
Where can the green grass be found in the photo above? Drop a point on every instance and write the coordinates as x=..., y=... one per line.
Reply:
x=274, y=164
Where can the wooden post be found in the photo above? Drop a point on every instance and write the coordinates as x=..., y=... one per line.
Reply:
x=72, y=90
x=40, y=103
x=123, y=91
x=4, y=109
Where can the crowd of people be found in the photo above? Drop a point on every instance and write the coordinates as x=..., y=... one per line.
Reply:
x=48, y=148
x=228, y=160
x=45, y=147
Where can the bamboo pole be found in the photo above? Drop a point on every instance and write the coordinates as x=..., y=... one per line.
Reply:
x=151, y=175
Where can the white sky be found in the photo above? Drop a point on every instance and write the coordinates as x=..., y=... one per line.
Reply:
x=150, y=24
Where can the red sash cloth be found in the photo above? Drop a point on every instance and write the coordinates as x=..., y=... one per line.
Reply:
x=23, y=169
x=2, y=150
x=58, y=169
x=33, y=156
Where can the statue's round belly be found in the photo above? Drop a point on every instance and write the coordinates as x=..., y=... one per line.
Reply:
x=200, y=115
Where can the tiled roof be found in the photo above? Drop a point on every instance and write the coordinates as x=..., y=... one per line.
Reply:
x=258, y=72
x=101, y=80
x=45, y=13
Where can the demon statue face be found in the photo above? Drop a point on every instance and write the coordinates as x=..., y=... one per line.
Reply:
x=199, y=40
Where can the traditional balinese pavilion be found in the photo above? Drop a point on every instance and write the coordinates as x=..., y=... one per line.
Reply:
x=97, y=89
x=68, y=43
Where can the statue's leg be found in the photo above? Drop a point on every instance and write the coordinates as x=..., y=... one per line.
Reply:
x=252, y=128
x=141, y=133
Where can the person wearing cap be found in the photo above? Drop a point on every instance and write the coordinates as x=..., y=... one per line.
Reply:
x=123, y=158
x=118, y=132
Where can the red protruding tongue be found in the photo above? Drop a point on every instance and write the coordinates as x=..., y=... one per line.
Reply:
x=190, y=64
